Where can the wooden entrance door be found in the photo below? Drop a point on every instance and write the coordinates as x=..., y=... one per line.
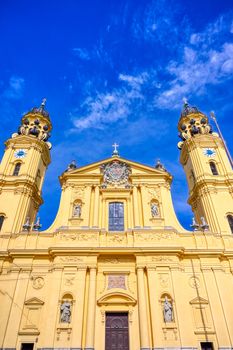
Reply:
x=117, y=331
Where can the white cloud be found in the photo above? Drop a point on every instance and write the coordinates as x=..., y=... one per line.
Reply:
x=15, y=88
x=81, y=53
x=206, y=60
x=112, y=106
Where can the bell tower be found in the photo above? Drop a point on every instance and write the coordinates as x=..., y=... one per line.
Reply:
x=208, y=170
x=22, y=171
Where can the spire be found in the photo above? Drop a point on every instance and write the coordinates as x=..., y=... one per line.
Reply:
x=41, y=110
x=42, y=106
x=115, y=152
x=187, y=109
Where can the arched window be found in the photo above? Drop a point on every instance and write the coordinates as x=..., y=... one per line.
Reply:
x=213, y=168
x=230, y=221
x=2, y=218
x=17, y=169
x=116, y=216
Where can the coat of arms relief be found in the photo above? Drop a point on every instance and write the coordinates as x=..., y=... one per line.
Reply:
x=115, y=173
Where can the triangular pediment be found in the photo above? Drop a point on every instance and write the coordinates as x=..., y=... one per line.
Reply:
x=34, y=301
x=199, y=300
x=94, y=169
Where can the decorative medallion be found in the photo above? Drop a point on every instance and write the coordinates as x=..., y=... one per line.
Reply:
x=209, y=152
x=115, y=173
x=194, y=282
x=38, y=282
x=20, y=153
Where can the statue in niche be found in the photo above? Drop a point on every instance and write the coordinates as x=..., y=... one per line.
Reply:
x=167, y=311
x=154, y=210
x=77, y=210
x=65, y=312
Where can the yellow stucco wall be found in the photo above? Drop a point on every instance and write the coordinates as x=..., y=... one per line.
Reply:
x=97, y=271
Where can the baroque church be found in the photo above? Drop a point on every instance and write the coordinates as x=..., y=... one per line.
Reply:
x=116, y=270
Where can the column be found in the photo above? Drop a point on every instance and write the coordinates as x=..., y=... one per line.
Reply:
x=135, y=206
x=90, y=327
x=216, y=309
x=77, y=311
x=87, y=206
x=142, y=309
x=145, y=207
x=96, y=207
x=15, y=313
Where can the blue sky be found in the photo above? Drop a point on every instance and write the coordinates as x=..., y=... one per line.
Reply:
x=115, y=71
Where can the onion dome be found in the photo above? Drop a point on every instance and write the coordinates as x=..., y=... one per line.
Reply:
x=36, y=123
x=192, y=122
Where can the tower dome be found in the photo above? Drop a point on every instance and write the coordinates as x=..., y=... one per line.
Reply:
x=36, y=123
x=192, y=122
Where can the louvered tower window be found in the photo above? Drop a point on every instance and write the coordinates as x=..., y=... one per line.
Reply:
x=230, y=221
x=213, y=168
x=17, y=169
x=2, y=217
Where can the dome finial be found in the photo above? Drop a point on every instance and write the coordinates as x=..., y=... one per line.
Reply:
x=115, y=152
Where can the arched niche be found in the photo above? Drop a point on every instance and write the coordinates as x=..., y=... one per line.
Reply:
x=167, y=308
x=154, y=208
x=66, y=308
x=77, y=209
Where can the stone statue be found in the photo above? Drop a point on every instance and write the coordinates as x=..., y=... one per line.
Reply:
x=65, y=312
x=77, y=210
x=154, y=210
x=204, y=224
x=194, y=225
x=167, y=311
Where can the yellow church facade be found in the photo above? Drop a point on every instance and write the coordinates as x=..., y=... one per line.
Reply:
x=116, y=270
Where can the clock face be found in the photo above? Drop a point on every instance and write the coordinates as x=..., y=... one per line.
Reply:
x=20, y=153
x=209, y=152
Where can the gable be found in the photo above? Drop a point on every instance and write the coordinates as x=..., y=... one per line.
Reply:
x=94, y=169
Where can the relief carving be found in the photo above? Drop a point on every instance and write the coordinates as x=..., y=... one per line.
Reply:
x=116, y=281
x=161, y=258
x=78, y=237
x=154, y=192
x=153, y=236
x=112, y=261
x=38, y=282
x=194, y=282
x=116, y=238
x=163, y=278
x=70, y=258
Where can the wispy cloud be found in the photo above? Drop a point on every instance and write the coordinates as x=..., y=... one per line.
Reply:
x=111, y=106
x=157, y=22
x=14, y=89
x=82, y=53
x=204, y=61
